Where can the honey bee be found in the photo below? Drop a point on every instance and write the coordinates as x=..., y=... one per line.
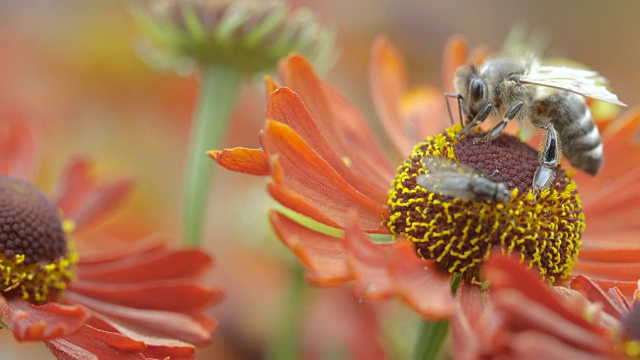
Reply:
x=449, y=178
x=550, y=97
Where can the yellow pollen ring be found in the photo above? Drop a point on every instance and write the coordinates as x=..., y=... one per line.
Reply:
x=459, y=234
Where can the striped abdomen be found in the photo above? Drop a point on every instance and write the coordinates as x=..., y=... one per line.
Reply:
x=579, y=135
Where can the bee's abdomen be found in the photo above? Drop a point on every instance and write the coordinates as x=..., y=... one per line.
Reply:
x=579, y=135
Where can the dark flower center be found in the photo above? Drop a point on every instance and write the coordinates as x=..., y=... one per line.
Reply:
x=459, y=231
x=29, y=223
x=34, y=259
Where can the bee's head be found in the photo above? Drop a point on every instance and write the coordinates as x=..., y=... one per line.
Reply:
x=473, y=89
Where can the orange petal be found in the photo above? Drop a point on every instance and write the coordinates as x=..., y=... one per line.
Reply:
x=36, y=323
x=248, y=161
x=286, y=107
x=270, y=85
x=508, y=274
x=83, y=200
x=613, y=305
x=92, y=343
x=627, y=288
x=185, y=296
x=163, y=323
x=456, y=54
x=624, y=272
x=18, y=148
x=321, y=254
x=420, y=284
x=368, y=262
x=342, y=123
x=147, y=266
x=304, y=182
x=388, y=78
x=610, y=255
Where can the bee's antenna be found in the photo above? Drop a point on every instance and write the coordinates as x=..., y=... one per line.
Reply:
x=459, y=98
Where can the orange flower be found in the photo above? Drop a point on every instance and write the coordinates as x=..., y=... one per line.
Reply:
x=526, y=317
x=326, y=164
x=140, y=302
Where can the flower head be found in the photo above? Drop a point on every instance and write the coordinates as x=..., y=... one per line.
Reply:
x=325, y=163
x=459, y=233
x=145, y=301
x=250, y=36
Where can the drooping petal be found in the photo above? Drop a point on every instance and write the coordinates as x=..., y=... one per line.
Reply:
x=248, y=161
x=342, y=123
x=386, y=270
x=286, y=107
x=83, y=200
x=35, y=323
x=420, y=284
x=305, y=183
x=368, y=262
x=322, y=255
x=163, y=323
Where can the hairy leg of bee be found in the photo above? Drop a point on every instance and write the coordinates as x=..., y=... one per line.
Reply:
x=459, y=98
x=549, y=160
x=482, y=116
x=497, y=130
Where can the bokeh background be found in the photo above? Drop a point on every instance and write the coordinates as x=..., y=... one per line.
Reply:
x=71, y=66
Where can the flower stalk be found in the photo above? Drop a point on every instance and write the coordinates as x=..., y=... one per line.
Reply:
x=287, y=340
x=216, y=102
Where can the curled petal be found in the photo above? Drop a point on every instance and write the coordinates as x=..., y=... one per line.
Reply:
x=305, y=183
x=342, y=123
x=31, y=322
x=248, y=161
x=506, y=273
x=322, y=255
x=613, y=304
x=287, y=107
x=83, y=200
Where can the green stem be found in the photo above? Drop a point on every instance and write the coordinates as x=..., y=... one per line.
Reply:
x=287, y=339
x=432, y=334
x=216, y=102
x=430, y=338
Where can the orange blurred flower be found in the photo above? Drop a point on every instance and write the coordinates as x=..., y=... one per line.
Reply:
x=325, y=163
x=143, y=301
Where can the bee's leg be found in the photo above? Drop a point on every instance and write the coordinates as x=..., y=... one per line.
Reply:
x=549, y=160
x=459, y=98
x=482, y=116
x=497, y=130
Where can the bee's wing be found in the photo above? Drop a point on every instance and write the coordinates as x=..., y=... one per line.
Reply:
x=447, y=177
x=583, y=82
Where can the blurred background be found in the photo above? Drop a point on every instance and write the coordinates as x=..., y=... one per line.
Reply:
x=72, y=67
